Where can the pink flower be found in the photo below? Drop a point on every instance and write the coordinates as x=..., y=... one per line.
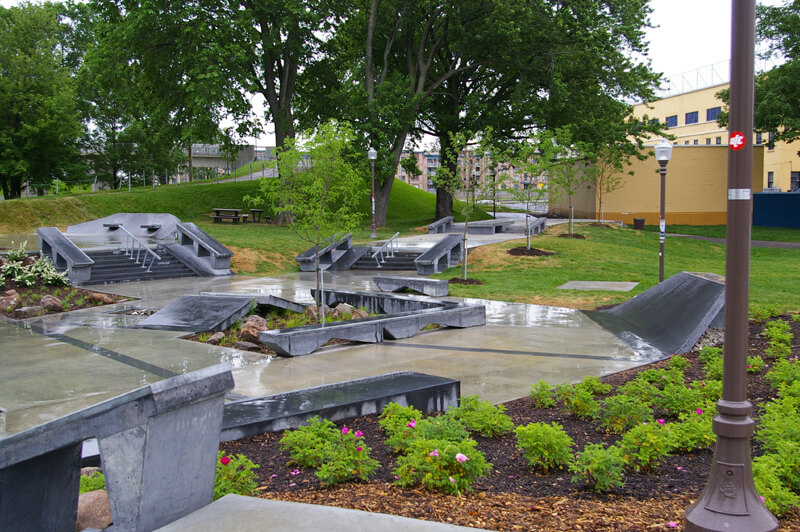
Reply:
x=702, y=384
x=672, y=524
x=225, y=460
x=748, y=366
x=396, y=477
x=273, y=476
x=412, y=423
x=358, y=449
x=699, y=411
x=661, y=422
x=292, y=485
x=452, y=480
x=359, y=434
x=762, y=498
x=434, y=453
x=461, y=457
x=295, y=472
x=345, y=430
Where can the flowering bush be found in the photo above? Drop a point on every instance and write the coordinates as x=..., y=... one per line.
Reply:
x=644, y=446
x=339, y=455
x=234, y=475
x=710, y=390
x=542, y=395
x=441, y=465
x=395, y=418
x=639, y=388
x=594, y=386
x=677, y=398
x=692, y=432
x=779, y=334
x=621, y=412
x=580, y=402
x=755, y=364
x=600, y=467
x=545, y=446
x=780, y=423
x=767, y=476
x=784, y=371
x=445, y=427
x=678, y=362
x=482, y=417
x=712, y=361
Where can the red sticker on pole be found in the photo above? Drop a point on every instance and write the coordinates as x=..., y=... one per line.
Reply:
x=737, y=141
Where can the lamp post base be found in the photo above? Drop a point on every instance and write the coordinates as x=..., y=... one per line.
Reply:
x=730, y=501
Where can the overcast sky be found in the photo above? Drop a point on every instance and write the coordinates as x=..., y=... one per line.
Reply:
x=689, y=35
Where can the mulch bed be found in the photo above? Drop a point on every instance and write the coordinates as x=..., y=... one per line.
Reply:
x=513, y=497
x=459, y=280
x=573, y=235
x=523, y=251
x=78, y=298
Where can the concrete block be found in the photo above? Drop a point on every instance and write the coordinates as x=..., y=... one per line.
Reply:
x=429, y=287
x=199, y=313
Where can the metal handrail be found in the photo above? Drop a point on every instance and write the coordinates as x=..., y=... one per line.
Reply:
x=392, y=245
x=130, y=245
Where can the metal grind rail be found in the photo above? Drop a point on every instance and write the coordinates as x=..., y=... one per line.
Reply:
x=386, y=250
x=131, y=245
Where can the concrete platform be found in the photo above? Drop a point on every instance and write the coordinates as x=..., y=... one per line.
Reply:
x=610, y=286
x=234, y=513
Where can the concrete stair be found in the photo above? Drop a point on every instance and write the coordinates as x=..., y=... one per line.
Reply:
x=110, y=266
x=401, y=261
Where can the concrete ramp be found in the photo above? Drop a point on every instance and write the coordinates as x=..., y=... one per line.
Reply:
x=199, y=313
x=670, y=316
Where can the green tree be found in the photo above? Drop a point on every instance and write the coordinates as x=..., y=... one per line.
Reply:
x=39, y=121
x=607, y=172
x=318, y=187
x=569, y=166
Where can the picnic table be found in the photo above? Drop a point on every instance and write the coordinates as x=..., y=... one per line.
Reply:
x=234, y=215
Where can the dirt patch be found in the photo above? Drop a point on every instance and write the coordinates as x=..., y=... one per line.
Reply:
x=459, y=280
x=523, y=251
x=573, y=235
x=514, y=497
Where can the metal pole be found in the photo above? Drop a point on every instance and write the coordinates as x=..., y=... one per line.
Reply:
x=372, y=166
x=730, y=501
x=662, y=224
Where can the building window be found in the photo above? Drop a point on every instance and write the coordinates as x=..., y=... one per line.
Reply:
x=771, y=141
x=712, y=114
x=708, y=141
x=696, y=142
x=672, y=121
x=686, y=142
x=770, y=179
x=794, y=183
x=759, y=140
x=719, y=140
x=691, y=118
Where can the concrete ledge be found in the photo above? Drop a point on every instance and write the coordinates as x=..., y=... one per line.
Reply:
x=328, y=255
x=429, y=287
x=235, y=513
x=158, y=225
x=342, y=400
x=444, y=254
x=65, y=254
x=489, y=227
x=205, y=248
x=443, y=225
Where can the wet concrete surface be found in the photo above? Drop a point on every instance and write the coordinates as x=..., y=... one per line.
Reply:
x=55, y=365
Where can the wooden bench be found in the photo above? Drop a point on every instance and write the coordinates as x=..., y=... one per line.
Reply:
x=442, y=225
x=255, y=215
x=234, y=215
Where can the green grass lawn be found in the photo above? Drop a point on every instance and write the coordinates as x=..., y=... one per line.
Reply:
x=615, y=255
x=773, y=234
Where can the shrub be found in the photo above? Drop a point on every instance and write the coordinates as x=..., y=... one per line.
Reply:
x=395, y=418
x=542, y=395
x=767, y=472
x=780, y=423
x=594, y=386
x=755, y=364
x=710, y=390
x=234, y=475
x=441, y=465
x=339, y=455
x=677, y=398
x=694, y=431
x=678, y=362
x=482, y=417
x=600, y=467
x=45, y=271
x=545, y=446
x=779, y=335
x=644, y=446
x=712, y=361
x=581, y=403
x=17, y=254
x=444, y=427
x=621, y=412
x=95, y=481
x=661, y=377
x=639, y=388
x=783, y=372
x=763, y=312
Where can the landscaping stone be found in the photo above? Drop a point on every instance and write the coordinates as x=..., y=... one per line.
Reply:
x=247, y=346
x=11, y=293
x=10, y=301
x=28, y=312
x=51, y=303
x=358, y=314
x=101, y=298
x=94, y=510
x=216, y=338
x=254, y=325
x=342, y=309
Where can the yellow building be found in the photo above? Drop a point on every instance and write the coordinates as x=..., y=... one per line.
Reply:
x=691, y=118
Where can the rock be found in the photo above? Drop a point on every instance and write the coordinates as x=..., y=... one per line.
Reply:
x=51, y=303
x=94, y=511
x=10, y=302
x=358, y=313
x=216, y=338
x=11, y=293
x=247, y=346
x=341, y=310
x=101, y=298
x=311, y=312
x=254, y=325
x=89, y=471
x=28, y=312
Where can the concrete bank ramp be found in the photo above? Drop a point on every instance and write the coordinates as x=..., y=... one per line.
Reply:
x=670, y=316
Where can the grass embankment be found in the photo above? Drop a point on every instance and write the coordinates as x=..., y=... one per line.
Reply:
x=616, y=254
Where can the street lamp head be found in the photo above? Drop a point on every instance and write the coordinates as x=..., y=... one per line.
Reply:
x=372, y=153
x=663, y=151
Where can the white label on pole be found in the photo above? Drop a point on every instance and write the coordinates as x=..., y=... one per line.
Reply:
x=738, y=193
x=662, y=225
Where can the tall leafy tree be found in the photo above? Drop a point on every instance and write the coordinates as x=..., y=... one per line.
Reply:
x=39, y=121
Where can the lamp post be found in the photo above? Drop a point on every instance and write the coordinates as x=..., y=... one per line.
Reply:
x=663, y=155
x=372, y=154
x=729, y=500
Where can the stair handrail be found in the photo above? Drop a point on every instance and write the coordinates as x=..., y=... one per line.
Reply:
x=392, y=245
x=130, y=245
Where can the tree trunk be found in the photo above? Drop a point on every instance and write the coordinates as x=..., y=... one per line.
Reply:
x=444, y=203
